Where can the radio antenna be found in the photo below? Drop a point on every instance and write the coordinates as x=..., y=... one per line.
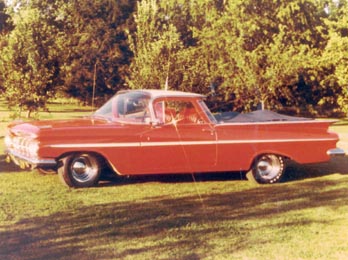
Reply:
x=94, y=83
x=166, y=85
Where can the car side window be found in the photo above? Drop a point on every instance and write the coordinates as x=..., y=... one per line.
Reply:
x=128, y=107
x=176, y=111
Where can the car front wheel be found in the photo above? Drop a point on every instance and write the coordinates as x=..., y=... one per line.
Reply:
x=80, y=170
x=267, y=168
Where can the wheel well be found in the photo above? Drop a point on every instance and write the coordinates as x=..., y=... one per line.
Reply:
x=103, y=161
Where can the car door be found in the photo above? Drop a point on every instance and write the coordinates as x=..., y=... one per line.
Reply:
x=181, y=141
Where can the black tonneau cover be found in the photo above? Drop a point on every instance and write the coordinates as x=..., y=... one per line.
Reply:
x=256, y=116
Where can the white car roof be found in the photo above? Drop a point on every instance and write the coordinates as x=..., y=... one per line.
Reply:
x=158, y=93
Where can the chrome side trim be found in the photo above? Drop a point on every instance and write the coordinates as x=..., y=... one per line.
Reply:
x=95, y=145
x=187, y=143
x=315, y=121
x=336, y=152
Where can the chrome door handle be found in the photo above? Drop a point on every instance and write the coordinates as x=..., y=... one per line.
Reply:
x=211, y=130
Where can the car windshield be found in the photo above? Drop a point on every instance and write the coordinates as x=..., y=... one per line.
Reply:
x=128, y=106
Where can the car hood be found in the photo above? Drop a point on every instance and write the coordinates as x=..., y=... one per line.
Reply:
x=35, y=127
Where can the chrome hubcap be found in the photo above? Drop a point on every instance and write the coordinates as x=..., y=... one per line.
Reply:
x=79, y=167
x=269, y=166
x=82, y=170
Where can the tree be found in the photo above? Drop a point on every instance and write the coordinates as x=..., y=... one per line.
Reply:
x=242, y=53
x=5, y=20
x=262, y=46
x=94, y=46
x=335, y=54
x=29, y=62
x=155, y=45
x=5, y=27
x=164, y=46
x=73, y=47
x=245, y=51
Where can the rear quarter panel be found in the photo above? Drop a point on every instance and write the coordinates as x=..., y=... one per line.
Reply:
x=301, y=141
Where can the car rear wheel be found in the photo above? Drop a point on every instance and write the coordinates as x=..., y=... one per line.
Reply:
x=267, y=168
x=80, y=170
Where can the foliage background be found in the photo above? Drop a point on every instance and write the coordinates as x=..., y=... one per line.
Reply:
x=287, y=56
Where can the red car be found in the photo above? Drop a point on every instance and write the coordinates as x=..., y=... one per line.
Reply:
x=141, y=132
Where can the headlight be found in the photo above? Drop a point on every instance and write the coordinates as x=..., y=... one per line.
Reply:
x=8, y=141
x=25, y=146
x=33, y=149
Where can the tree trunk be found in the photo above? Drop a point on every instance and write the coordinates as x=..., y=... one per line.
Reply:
x=28, y=113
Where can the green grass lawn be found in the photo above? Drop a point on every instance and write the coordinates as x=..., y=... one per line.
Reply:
x=177, y=217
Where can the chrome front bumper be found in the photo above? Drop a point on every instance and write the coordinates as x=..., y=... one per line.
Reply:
x=337, y=152
x=26, y=162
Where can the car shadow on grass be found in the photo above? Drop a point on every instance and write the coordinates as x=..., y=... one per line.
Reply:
x=8, y=167
x=294, y=172
x=188, y=227
x=110, y=179
x=336, y=165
